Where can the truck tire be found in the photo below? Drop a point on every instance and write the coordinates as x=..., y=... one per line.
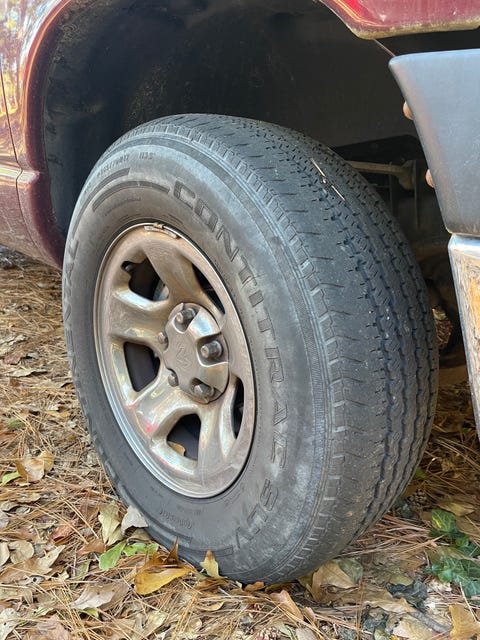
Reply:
x=250, y=339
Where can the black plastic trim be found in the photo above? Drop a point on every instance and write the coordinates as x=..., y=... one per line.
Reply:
x=442, y=90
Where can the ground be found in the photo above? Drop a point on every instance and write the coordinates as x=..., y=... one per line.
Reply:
x=74, y=564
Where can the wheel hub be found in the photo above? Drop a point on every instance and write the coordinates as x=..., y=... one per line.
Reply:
x=196, y=353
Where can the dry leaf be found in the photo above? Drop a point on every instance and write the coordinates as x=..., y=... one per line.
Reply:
x=20, y=550
x=309, y=614
x=305, y=634
x=108, y=518
x=210, y=565
x=62, y=531
x=256, y=586
x=465, y=625
x=32, y=567
x=133, y=518
x=154, y=621
x=375, y=597
x=104, y=596
x=4, y=520
x=7, y=505
x=15, y=356
x=9, y=619
x=172, y=557
x=150, y=579
x=4, y=553
x=94, y=546
x=23, y=372
x=16, y=593
x=33, y=469
x=412, y=629
x=50, y=629
x=216, y=606
x=287, y=604
x=455, y=506
x=48, y=460
x=331, y=574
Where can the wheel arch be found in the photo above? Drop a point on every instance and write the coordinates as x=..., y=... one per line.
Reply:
x=101, y=70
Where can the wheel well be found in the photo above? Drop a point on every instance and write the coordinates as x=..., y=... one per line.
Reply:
x=117, y=64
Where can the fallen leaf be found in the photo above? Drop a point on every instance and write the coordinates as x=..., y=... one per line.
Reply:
x=23, y=372
x=36, y=566
x=110, y=558
x=210, y=565
x=457, y=507
x=465, y=625
x=172, y=557
x=133, y=518
x=155, y=620
x=51, y=629
x=16, y=593
x=48, y=460
x=148, y=580
x=375, y=597
x=108, y=518
x=412, y=629
x=21, y=550
x=216, y=606
x=8, y=477
x=102, y=596
x=9, y=619
x=94, y=546
x=28, y=497
x=7, y=505
x=4, y=520
x=309, y=614
x=4, y=553
x=286, y=603
x=331, y=574
x=304, y=633
x=256, y=586
x=62, y=531
x=144, y=548
x=15, y=356
x=33, y=469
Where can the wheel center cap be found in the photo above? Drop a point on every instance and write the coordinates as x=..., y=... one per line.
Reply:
x=196, y=354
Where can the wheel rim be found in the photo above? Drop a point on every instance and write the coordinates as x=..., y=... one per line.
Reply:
x=174, y=360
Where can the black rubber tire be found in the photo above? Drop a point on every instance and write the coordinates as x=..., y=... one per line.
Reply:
x=335, y=313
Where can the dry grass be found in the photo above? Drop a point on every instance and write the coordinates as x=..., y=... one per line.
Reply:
x=54, y=519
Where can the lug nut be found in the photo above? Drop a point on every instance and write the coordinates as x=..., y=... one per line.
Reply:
x=162, y=337
x=211, y=349
x=185, y=316
x=203, y=390
x=172, y=379
x=129, y=266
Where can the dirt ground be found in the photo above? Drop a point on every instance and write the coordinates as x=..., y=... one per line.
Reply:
x=74, y=564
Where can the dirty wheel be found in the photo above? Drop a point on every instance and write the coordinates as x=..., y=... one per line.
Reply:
x=250, y=340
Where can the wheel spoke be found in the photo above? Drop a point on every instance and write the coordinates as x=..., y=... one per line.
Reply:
x=216, y=435
x=238, y=359
x=136, y=319
x=158, y=408
x=177, y=272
